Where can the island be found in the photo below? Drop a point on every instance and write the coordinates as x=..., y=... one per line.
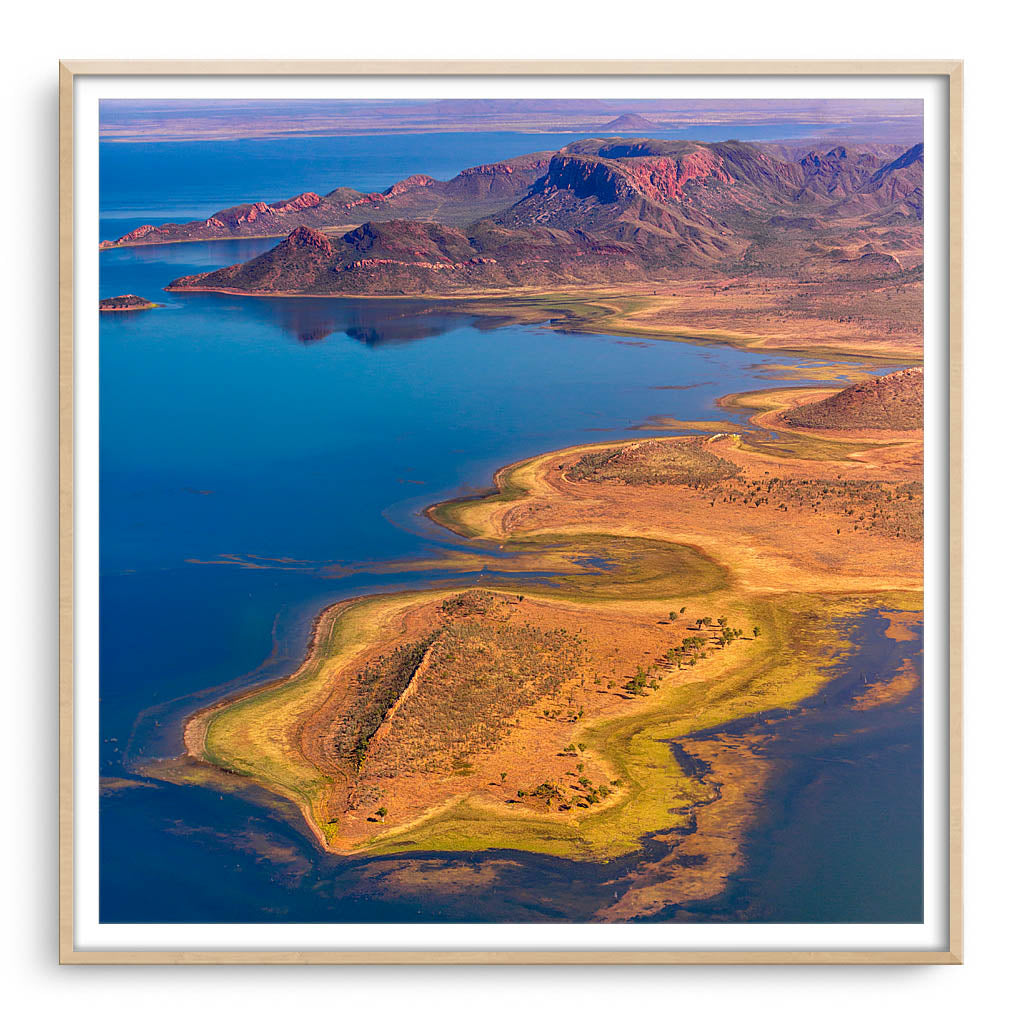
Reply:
x=125, y=304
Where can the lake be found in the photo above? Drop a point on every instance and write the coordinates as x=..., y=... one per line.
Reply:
x=251, y=447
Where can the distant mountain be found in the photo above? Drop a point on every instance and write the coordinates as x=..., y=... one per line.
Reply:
x=473, y=193
x=630, y=123
x=600, y=210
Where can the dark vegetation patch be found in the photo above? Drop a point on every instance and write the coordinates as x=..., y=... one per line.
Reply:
x=378, y=687
x=654, y=462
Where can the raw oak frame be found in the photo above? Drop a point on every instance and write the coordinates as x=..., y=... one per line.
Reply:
x=951, y=70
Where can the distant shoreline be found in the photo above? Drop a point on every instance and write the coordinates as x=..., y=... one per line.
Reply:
x=548, y=308
x=106, y=247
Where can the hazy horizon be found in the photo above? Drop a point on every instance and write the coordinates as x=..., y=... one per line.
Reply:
x=149, y=120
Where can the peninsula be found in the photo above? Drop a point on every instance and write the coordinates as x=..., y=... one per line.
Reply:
x=697, y=579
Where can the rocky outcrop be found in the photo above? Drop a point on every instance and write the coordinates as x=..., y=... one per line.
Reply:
x=307, y=238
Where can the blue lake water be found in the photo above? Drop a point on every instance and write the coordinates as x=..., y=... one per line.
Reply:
x=237, y=433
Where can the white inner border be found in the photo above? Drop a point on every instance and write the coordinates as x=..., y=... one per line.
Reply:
x=90, y=935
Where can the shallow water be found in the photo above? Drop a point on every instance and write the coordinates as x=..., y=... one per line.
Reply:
x=252, y=449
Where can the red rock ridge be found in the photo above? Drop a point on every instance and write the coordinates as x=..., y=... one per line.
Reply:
x=140, y=232
x=661, y=178
x=665, y=178
x=250, y=213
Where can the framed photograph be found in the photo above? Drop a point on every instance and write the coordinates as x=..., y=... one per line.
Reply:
x=510, y=512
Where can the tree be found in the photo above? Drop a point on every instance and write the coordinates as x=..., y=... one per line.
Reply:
x=672, y=616
x=382, y=813
x=756, y=631
x=682, y=611
x=722, y=620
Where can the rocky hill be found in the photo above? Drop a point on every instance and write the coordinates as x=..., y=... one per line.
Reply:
x=892, y=402
x=417, y=257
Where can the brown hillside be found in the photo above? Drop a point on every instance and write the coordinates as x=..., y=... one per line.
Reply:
x=892, y=402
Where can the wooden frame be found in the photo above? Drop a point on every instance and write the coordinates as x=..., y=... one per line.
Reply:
x=950, y=70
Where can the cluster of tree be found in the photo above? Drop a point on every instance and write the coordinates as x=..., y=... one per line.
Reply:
x=688, y=651
x=729, y=634
x=593, y=795
x=547, y=791
x=641, y=682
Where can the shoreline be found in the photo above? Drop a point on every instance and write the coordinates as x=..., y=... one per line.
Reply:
x=194, y=741
x=183, y=241
x=131, y=309
x=196, y=725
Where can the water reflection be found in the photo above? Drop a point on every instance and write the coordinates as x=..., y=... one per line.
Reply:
x=371, y=322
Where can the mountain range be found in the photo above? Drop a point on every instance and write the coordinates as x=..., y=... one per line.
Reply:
x=601, y=210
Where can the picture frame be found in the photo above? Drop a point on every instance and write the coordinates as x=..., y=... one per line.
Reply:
x=949, y=74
